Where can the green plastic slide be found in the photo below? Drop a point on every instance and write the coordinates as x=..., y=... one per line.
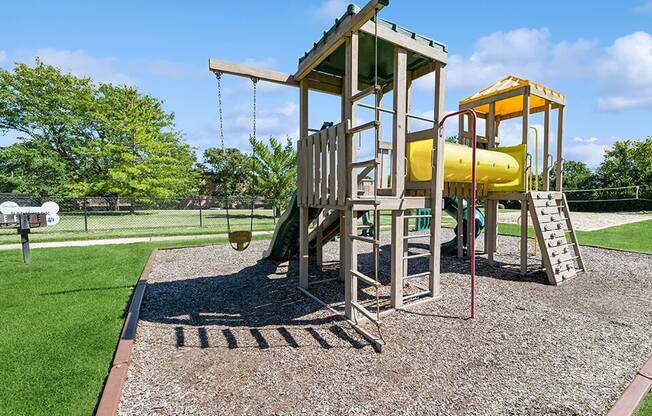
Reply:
x=285, y=241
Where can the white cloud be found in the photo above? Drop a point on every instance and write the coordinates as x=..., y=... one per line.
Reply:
x=582, y=140
x=3, y=56
x=625, y=71
x=80, y=63
x=526, y=53
x=172, y=70
x=587, y=151
x=644, y=8
x=330, y=10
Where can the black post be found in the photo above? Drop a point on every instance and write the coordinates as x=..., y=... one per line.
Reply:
x=23, y=230
x=201, y=223
x=85, y=215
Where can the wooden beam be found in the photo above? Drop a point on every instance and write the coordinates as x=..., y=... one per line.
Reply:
x=405, y=42
x=437, y=184
x=217, y=65
x=494, y=98
x=347, y=26
x=548, y=97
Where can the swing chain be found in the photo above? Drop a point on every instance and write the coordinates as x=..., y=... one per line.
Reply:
x=218, y=75
x=255, y=82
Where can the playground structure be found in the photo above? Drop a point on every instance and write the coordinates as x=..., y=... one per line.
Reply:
x=363, y=57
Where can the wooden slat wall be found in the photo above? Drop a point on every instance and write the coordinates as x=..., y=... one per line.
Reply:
x=332, y=171
x=322, y=169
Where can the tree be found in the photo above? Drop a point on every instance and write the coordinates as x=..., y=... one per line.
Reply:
x=627, y=163
x=452, y=139
x=576, y=175
x=108, y=140
x=31, y=167
x=275, y=170
x=229, y=170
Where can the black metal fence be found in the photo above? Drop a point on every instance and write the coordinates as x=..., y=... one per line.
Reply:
x=121, y=216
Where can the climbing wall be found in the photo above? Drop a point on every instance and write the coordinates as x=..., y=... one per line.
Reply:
x=560, y=252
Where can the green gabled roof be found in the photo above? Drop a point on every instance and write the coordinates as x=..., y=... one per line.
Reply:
x=334, y=64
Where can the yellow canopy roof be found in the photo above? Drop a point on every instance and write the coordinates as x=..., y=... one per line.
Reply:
x=512, y=106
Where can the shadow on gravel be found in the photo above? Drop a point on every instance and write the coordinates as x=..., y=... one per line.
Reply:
x=258, y=301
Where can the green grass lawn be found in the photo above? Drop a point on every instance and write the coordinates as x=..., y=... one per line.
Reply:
x=145, y=223
x=61, y=320
x=631, y=237
x=645, y=409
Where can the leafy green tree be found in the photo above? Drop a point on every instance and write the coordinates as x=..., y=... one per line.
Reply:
x=452, y=139
x=275, y=170
x=32, y=167
x=627, y=163
x=107, y=140
x=576, y=175
x=229, y=170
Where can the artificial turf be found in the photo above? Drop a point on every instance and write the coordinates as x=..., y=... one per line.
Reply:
x=61, y=319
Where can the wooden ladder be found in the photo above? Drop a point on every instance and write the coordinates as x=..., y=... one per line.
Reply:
x=556, y=236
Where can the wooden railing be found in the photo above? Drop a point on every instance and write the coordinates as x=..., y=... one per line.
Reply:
x=322, y=168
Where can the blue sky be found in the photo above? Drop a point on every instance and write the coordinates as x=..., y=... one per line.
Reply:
x=598, y=54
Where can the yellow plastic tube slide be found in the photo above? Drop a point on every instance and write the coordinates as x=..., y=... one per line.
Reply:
x=500, y=168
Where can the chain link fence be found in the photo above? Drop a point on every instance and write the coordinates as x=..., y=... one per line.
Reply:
x=106, y=217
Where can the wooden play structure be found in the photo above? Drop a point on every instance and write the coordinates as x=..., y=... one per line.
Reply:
x=367, y=61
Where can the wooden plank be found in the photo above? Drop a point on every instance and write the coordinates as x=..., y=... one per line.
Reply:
x=400, y=102
x=341, y=165
x=300, y=190
x=348, y=25
x=420, y=135
x=324, y=167
x=405, y=42
x=545, y=256
x=332, y=155
x=317, y=167
x=560, y=146
x=434, y=280
x=310, y=168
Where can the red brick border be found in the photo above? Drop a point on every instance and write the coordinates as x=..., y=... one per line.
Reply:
x=110, y=398
x=634, y=394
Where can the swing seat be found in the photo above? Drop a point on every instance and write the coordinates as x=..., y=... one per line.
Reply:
x=240, y=240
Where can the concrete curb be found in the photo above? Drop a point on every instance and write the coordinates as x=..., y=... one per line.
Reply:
x=635, y=393
x=112, y=392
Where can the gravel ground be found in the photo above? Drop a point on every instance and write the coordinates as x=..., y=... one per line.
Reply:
x=226, y=333
x=588, y=221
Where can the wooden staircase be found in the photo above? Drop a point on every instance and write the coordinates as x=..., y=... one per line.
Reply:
x=560, y=251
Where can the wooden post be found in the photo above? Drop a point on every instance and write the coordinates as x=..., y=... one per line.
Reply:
x=303, y=246
x=436, y=203
x=546, y=147
x=343, y=244
x=398, y=224
x=350, y=253
x=319, y=254
x=491, y=206
x=560, y=144
x=303, y=209
x=398, y=174
x=524, y=220
x=400, y=104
